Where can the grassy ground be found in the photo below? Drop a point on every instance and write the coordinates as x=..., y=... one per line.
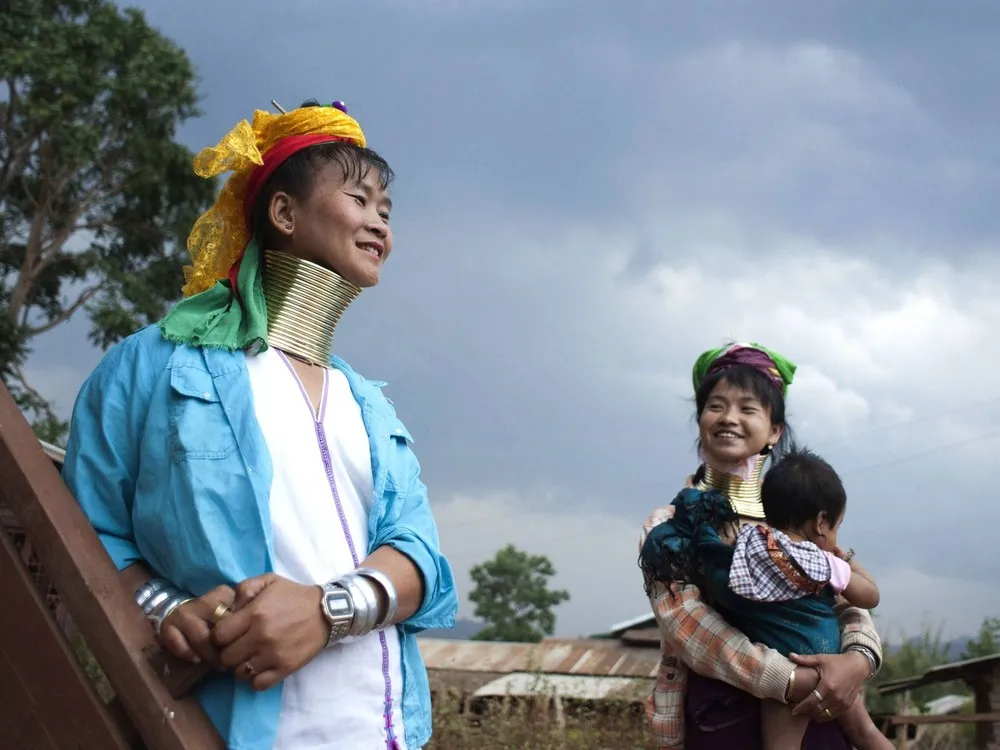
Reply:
x=524, y=727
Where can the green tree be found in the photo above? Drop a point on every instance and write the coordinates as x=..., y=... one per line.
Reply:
x=95, y=192
x=512, y=596
x=911, y=659
x=988, y=641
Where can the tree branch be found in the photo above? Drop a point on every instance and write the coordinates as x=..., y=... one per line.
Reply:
x=67, y=313
x=54, y=243
x=18, y=374
x=33, y=245
x=34, y=401
x=12, y=98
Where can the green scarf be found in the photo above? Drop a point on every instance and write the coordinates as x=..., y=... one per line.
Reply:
x=217, y=319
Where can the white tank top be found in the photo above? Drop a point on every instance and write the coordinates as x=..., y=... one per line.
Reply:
x=320, y=495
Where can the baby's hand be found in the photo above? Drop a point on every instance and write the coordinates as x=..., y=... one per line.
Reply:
x=839, y=552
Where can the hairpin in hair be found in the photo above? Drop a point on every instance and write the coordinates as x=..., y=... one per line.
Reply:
x=278, y=107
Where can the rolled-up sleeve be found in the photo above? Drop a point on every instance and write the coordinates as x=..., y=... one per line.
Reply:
x=414, y=534
x=102, y=453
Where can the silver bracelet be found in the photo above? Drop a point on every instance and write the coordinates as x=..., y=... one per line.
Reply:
x=390, y=594
x=869, y=656
x=157, y=600
x=365, y=603
x=371, y=601
x=164, y=611
x=146, y=591
x=364, y=600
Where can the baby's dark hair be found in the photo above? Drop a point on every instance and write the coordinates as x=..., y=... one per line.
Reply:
x=798, y=488
x=297, y=176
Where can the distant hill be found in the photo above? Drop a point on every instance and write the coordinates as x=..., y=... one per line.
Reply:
x=952, y=649
x=463, y=630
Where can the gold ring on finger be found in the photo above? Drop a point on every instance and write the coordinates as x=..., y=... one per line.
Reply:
x=221, y=611
x=827, y=714
x=249, y=670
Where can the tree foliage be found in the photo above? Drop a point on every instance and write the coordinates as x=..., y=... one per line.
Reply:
x=987, y=643
x=512, y=596
x=912, y=658
x=95, y=192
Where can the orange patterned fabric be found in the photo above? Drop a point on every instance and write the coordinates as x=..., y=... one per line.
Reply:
x=788, y=567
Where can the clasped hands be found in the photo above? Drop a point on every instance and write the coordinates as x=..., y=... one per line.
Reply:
x=272, y=628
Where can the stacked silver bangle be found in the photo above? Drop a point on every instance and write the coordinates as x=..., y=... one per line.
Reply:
x=869, y=655
x=380, y=578
x=158, y=598
x=359, y=586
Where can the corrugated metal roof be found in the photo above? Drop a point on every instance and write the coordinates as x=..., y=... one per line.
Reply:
x=947, y=704
x=565, y=686
x=647, y=621
x=57, y=454
x=553, y=656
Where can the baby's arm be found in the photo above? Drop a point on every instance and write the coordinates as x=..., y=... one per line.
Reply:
x=861, y=589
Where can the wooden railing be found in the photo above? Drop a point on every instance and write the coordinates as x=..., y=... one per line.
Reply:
x=47, y=701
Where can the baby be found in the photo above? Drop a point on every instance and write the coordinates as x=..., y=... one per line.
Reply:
x=785, y=579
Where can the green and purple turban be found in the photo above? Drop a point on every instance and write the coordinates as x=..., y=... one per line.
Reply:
x=780, y=370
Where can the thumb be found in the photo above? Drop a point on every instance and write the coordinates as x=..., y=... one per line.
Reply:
x=251, y=588
x=810, y=660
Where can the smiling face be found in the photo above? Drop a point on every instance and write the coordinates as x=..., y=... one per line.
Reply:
x=342, y=225
x=735, y=425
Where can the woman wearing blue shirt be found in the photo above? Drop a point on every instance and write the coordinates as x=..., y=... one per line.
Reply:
x=261, y=497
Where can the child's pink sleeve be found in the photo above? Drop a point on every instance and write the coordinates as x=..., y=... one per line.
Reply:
x=840, y=572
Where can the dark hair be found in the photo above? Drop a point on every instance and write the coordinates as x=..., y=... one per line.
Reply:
x=800, y=487
x=297, y=176
x=752, y=380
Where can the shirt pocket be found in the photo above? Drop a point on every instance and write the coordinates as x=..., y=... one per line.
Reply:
x=199, y=427
x=399, y=456
x=398, y=464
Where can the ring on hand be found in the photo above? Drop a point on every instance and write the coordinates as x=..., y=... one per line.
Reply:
x=248, y=670
x=221, y=611
x=818, y=696
x=827, y=714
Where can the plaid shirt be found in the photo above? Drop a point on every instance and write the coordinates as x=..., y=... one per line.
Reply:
x=694, y=636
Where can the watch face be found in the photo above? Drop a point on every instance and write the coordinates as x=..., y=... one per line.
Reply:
x=337, y=604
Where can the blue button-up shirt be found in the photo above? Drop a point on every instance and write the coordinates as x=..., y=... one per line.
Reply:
x=168, y=462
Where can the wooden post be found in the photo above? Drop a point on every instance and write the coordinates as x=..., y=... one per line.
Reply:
x=986, y=690
x=902, y=732
x=87, y=581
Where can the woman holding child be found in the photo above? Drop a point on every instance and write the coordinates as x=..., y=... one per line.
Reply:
x=721, y=579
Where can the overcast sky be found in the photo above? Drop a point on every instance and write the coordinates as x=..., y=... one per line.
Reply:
x=590, y=194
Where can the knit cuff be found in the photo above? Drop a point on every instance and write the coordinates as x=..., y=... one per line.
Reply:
x=775, y=673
